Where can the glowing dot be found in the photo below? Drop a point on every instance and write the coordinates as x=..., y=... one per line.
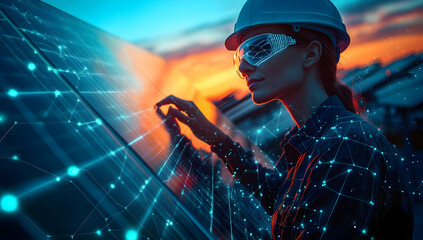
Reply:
x=2, y=118
x=13, y=93
x=98, y=121
x=131, y=235
x=73, y=171
x=324, y=229
x=31, y=66
x=98, y=232
x=9, y=203
x=15, y=157
x=364, y=231
x=57, y=93
x=112, y=185
x=79, y=124
x=58, y=179
x=259, y=131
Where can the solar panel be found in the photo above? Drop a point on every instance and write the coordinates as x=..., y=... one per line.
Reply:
x=85, y=155
x=381, y=76
x=403, y=92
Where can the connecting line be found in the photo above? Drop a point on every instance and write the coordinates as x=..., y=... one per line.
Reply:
x=186, y=179
x=49, y=107
x=171, y=153
x=142, y=136
x=367, y=71
x=339, y=194
x=73, y=110
x=92, y=211
x=61, y=176
x=133, y=114
x=33, y=224
x=279, y=115
x=158, y=194
x=418, y=187
x=150, y=209
x=211, y=200
x=230, y=211
x=7, y=132
x=270, y=132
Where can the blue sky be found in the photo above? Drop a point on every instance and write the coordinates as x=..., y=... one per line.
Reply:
x=144, y=19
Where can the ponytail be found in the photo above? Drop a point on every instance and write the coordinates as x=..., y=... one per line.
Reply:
x=327, y=72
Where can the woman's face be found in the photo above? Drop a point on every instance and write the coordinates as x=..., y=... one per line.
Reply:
x=281, y=74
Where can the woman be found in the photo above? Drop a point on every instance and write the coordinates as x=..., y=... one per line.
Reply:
x=342, y=180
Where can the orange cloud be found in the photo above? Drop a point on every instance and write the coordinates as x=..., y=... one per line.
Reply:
x=381, y=50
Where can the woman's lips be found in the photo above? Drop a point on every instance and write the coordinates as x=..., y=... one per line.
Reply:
x=252, y=83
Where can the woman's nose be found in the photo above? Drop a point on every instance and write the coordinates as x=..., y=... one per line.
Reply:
x=245, y=68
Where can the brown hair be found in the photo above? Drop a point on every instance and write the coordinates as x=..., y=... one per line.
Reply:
x=328, y=70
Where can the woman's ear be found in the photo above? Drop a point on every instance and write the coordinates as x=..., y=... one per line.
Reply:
x=314, y=53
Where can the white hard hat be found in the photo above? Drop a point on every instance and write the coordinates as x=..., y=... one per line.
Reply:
x=318, y=15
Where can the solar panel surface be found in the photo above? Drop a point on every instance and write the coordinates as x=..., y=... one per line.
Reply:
x=83, y=152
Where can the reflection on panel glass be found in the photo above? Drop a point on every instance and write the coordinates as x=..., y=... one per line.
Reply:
x=84, y=154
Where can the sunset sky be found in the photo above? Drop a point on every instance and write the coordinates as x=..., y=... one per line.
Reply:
x=190, y=34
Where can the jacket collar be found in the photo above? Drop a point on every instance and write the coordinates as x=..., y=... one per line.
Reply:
x=302, y=138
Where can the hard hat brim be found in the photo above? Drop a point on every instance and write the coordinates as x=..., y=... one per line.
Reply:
x=232, y=42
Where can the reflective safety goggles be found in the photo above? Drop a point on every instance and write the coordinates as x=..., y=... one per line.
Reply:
x=260, y=48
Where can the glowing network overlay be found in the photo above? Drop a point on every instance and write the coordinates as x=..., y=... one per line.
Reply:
x=83, y=153
x=85, y=156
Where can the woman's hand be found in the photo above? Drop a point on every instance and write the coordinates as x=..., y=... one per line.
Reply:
x=189, y=114
x=171, y=125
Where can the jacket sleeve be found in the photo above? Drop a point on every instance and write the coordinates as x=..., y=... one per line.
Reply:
x=338, y=196
x=263, y=183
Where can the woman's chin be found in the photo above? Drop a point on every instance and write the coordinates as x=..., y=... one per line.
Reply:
x=258, y=99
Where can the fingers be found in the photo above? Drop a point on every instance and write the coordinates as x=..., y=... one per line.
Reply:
x=179, y=115
x=160, y=113
x=172, y=112
x=181, y=104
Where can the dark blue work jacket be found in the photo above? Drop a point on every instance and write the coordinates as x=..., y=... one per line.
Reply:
x=342, y=180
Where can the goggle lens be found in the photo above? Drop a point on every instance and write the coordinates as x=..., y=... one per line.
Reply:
x=260, y=48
